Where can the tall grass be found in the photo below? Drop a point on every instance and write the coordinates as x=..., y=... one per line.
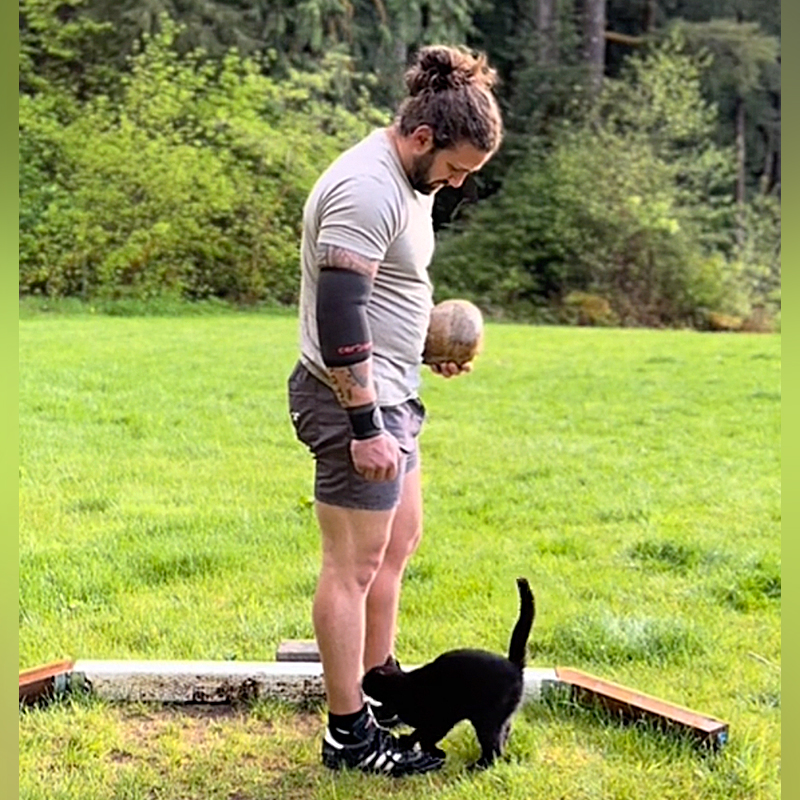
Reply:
x=632, y=476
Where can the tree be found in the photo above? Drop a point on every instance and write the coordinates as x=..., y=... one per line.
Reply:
x=632, y=205
x=377, y=34
x=593, y=14
x=547, y=30
x=61, y=47
x=741, y=52
x=767, y=13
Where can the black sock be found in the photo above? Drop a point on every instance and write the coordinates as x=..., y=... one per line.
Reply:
x=346, y=728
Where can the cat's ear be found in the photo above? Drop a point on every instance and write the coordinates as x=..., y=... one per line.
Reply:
x=391, y=661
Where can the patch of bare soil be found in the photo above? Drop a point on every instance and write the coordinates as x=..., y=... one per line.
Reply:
x=198, y=727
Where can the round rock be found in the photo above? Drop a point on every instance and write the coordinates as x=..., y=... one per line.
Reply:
x=455, y=333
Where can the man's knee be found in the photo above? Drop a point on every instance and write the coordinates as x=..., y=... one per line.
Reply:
x=405, y=538
x=354, y=545
x=355, y=571
x=366, y=570
x=401, y=550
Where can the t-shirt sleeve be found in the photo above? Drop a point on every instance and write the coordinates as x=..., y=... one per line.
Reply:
x=361, y=214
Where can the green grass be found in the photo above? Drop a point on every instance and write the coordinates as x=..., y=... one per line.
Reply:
x=632, y=475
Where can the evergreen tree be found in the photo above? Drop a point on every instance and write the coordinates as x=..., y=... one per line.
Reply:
x=741, y=52
x=593, y=50
x=60, y=47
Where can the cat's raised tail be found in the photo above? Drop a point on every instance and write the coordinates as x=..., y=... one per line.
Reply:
x=527, y=613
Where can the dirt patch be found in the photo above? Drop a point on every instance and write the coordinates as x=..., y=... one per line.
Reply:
x=240, y=752
x=197, y=727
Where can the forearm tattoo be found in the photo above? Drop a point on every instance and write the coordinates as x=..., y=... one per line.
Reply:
x=340, y=257
x=353, y=384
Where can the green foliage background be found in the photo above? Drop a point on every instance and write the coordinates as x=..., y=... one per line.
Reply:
x=633, y=205
x=191, y=183
x=166, y=150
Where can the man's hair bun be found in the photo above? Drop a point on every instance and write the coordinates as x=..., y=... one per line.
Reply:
x=439, y=68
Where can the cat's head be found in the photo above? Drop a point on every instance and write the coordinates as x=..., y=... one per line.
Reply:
x=382, y=677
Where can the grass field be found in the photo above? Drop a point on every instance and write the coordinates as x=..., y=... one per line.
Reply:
x=632, y=475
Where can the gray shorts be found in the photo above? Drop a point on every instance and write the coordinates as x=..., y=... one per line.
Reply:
x=324, y=427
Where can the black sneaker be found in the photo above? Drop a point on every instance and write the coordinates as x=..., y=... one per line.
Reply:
x=378, y=753
x=385, y=716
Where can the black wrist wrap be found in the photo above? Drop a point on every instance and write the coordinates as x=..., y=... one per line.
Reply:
x=367, y=421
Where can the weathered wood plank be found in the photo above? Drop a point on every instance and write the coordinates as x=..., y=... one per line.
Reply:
x=632, y=705
x=44, y=682
x=297, y=650
x=301, y=681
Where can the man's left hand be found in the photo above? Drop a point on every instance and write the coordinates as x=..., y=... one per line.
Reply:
x=449, y=369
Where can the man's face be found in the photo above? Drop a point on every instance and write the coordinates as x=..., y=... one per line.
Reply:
x=432, y=170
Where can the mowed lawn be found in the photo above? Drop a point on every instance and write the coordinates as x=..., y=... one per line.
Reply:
x=632, y=475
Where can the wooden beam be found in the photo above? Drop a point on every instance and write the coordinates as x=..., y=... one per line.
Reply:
x=44, y=682
x=301, y=681
x=631, y=706
x=297, y=650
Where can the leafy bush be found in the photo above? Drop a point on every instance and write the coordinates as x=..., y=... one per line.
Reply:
x=633, y=206
x=186, y=177
x=193, y=183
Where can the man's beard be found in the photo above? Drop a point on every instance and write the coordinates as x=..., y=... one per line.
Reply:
x=420, y=174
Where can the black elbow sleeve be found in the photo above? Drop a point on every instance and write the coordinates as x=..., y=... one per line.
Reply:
x=342, y=325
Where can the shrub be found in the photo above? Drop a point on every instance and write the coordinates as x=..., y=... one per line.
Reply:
x=193, y=183
x=587, y=309
x=633, y=206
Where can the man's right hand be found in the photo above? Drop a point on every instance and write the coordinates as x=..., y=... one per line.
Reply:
x=376, y=459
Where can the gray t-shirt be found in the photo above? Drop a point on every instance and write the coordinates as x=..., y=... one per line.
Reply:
x=364, y=202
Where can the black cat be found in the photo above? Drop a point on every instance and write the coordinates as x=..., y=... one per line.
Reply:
x=476, y=685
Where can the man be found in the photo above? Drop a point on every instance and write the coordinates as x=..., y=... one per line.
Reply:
x=364, y=305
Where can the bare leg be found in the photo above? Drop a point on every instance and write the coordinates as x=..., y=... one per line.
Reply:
x=353, y=545
x=384, y=593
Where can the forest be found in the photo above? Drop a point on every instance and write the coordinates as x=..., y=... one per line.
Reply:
x=166, y=148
